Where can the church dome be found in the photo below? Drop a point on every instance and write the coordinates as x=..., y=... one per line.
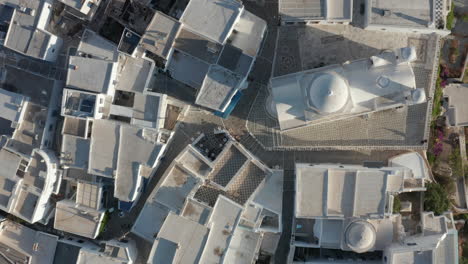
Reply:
x=328, y=92
x=360, y=236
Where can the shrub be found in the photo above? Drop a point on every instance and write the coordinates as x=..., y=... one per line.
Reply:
x=396, y=205
x=15, y=219
x=436, y=199
x=455, y=162
x=463, y=260
x=461, y=217
x=439, y=144
x=431, y=158
x=454, y=51
x=465, y=172
x=438, y=93
x=450, y=18
x=105, y=219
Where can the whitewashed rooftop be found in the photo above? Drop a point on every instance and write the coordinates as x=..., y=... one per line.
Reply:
x=179, y=241
x=437, y=244
x=228, y=194
x=20, y=244
x=11, y=105
x=413, y=161
x=457, y=109
x=342, y=91
x=137, y=151
x=90, y=74
x=77, y=219
x=160, y=34
x=94, y=45
x=222, y=222
x=26, y=32
x=316, y=10
x=104, y=147
x=344, y=191
x=219, y=18
x=214, y=53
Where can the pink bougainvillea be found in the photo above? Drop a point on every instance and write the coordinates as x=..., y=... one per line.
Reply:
x=438, y=146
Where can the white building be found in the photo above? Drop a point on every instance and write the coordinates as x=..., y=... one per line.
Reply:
x=316, y=11
x=27, y=32
x=114, y=126
x=417, y=16
x=224, y=197
x=436, y=244
x=110, y=252
x=418, y=166
x=352, y=221
x=28, y=183
x=90, y=74
x=86, y=7
x=12, y=106
x=355, y=88
x=455, y=106
x=24, y=120
x=213, y=54
x=82, y=216
x=20, y=244
x=30, y=173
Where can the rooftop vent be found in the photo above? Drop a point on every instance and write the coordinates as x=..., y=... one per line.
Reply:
x=383, y=81
x=212, y=47
x=386, y=13
x=27, y=10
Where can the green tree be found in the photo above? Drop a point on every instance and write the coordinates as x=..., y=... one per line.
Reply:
x=463, y=260
x=436, y=199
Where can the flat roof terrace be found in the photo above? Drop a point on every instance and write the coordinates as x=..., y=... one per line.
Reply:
x=218, y=24
x=160, y=34
x=23, y=35
x=291, y=10
x=415, y=13
x=344, y=191
x=30, y=130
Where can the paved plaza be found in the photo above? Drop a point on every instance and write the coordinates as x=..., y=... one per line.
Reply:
x=306, y=47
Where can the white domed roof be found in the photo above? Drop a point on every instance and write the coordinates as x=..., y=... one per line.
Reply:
x=360, y=236
x=419, y=96
x=328, y=92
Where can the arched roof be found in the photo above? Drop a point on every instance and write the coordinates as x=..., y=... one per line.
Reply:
x=360, y=236
x=328, y=92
